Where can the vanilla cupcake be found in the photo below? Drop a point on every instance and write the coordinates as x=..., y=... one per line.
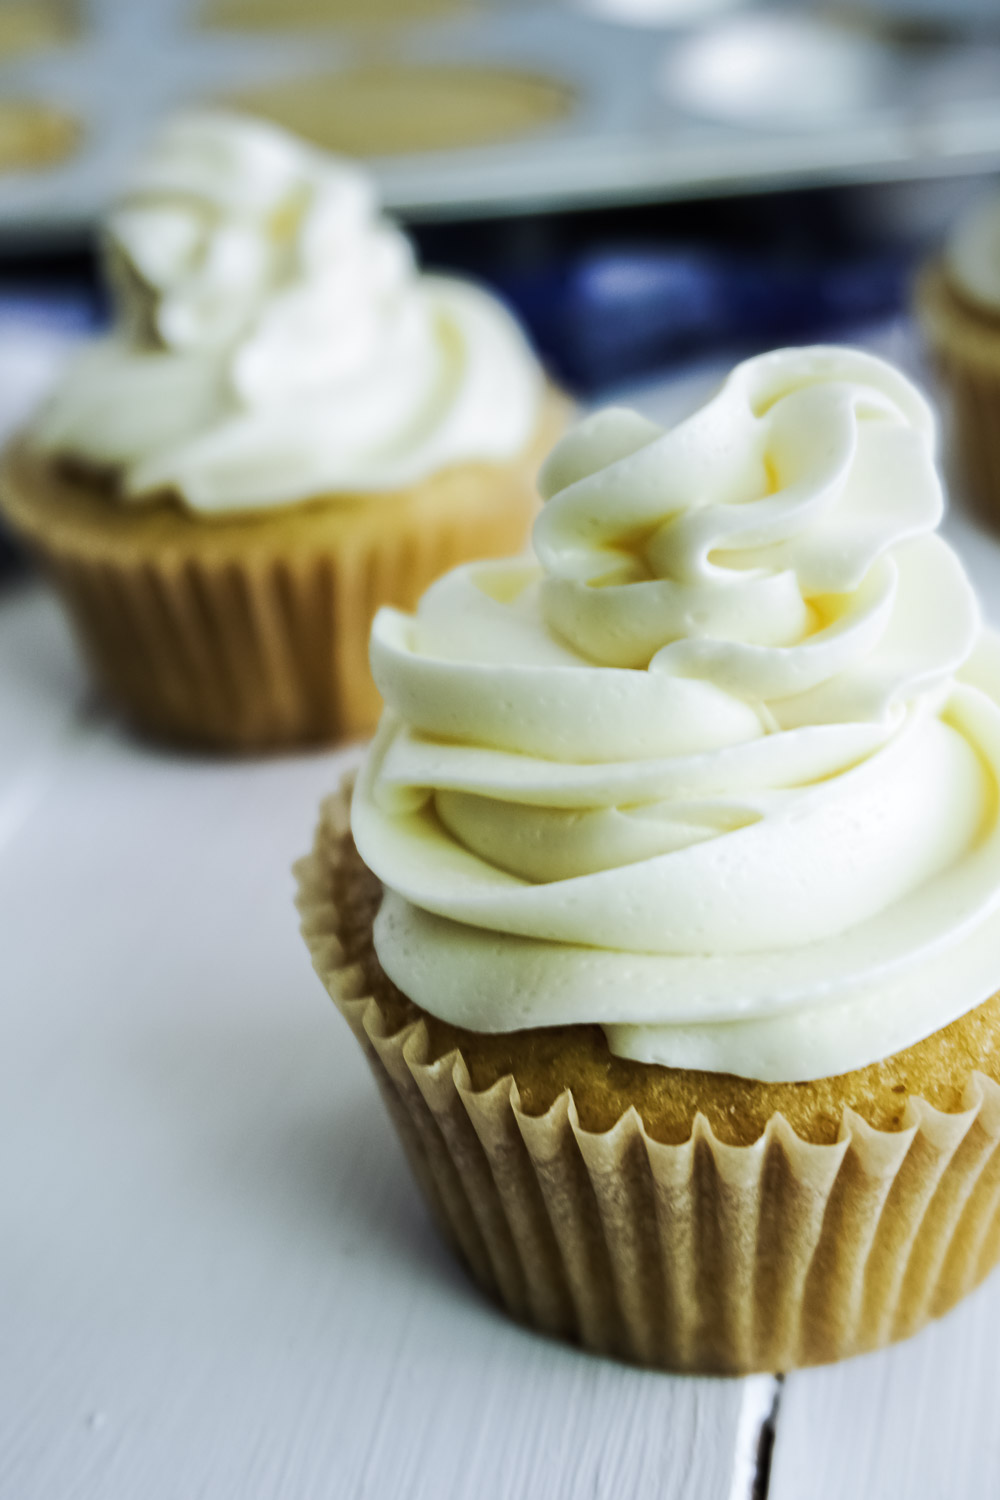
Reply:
x=667, y=909
x=958, y=305
x=286, y=427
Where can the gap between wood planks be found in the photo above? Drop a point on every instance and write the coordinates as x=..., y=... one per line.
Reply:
x=755, y=1437
x=83, y=720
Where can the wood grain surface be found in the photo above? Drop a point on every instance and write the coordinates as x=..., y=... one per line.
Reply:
x=918, y=1421
x=216, y=1279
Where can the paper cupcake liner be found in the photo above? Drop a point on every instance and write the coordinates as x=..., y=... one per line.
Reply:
x=699, y=1257
x=975, y=397
x=966, y=351
x=246, y=654
x=212, y=642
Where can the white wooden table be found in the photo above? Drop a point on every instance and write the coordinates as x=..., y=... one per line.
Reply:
x=216, y=1279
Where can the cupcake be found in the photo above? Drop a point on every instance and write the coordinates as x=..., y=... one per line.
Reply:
x=667, y=906
x=30, y=25
x=35, y=135
x=958, y=306
x=280, y=15
x=286, y=427
x=400, y=109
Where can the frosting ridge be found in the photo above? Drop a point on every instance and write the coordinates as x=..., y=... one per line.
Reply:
x=718, y=771
x=273, y=340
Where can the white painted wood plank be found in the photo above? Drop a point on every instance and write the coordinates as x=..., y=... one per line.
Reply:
x=41, y=680
x=42, y=691
x=919, y=1421
x=216, y=1279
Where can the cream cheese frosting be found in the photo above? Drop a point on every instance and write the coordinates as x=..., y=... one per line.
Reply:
x=972, y=253
x=718, y=769
x=273, y=340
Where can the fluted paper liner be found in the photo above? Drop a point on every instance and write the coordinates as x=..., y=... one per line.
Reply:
x=965, y=345
x=251, y=653
x=699, y=1257
x=253, y=632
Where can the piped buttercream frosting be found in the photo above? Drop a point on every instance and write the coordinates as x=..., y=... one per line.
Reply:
x=273, y=341
x=718, y=768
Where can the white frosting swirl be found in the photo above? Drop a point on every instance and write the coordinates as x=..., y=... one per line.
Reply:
x=720, y=771
x=972, y=254
x=273, y=339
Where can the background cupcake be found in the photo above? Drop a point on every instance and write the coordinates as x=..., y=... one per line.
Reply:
x=682, y=985
x=286, y=427
x=958, y=302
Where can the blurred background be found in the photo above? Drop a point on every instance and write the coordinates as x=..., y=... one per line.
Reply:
x=648, y=182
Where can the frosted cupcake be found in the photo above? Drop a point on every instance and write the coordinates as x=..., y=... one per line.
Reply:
x=287, y=427
x=958, y=304
x=668, y=906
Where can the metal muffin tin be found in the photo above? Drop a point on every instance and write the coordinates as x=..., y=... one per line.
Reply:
x=659, y=113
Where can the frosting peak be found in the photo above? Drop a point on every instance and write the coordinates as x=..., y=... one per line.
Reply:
x=232, y=233
x=758, y=521
x=274, y=341
x=721, y=767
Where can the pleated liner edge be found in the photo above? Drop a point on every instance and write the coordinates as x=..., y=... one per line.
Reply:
x=701, y=1257
x=263, y=647
x=967, y=358
x=254, y=653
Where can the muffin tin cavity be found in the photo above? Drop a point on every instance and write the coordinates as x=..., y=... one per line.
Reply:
x=28, y=24
x=779, y=70
x=396, y=110
x=34, y=135
x=279, y=15
x=499, y=106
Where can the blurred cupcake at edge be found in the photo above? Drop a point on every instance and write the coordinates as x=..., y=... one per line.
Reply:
x=287, y=427
x=667, y=909
x=958, y=306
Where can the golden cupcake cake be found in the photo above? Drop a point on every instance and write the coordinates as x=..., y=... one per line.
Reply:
x=667, y=905
x=282, y=15
x=958, y=306
x=286, y=427
x=401, y=109
x=35, y=134
x=32, y=25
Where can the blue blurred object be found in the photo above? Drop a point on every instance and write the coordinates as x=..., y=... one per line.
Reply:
x=600, y=314
x=618, y=312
